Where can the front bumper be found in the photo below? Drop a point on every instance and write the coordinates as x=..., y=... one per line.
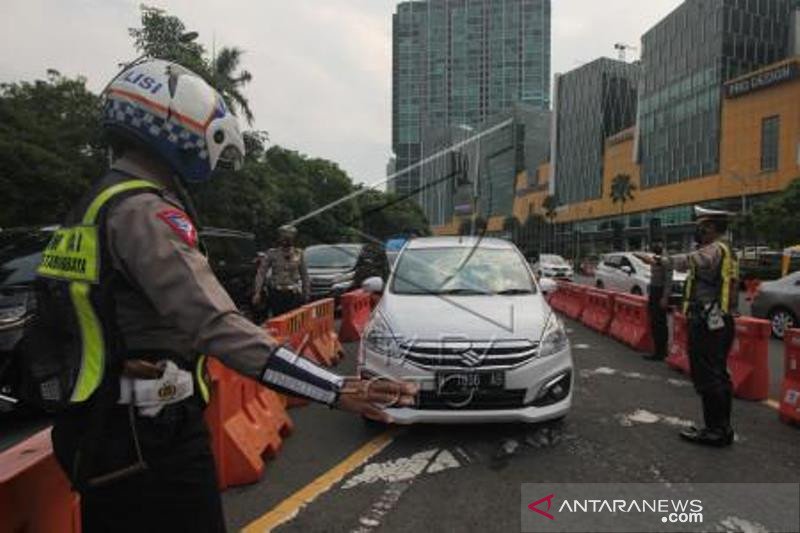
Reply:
x=525, y=382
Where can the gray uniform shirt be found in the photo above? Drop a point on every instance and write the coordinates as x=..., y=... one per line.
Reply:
x=706, y=260
x=175, y=301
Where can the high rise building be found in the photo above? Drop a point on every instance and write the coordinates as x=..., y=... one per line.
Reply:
x=457, y=63
x=592, y=103
x=687, y=57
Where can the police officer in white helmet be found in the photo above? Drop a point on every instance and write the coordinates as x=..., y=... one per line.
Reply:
x=130, y=286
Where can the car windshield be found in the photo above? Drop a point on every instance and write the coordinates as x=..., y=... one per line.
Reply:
x=20, y=254
x=344, y=256
x=553, y=260
x=461, y=271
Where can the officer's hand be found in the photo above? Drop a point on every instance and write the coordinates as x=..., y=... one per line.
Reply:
x=370, y=397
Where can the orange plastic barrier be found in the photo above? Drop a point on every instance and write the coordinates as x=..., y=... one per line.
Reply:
x=748, y=360
x=356, y=309
x=790, y=388
x=323, y=345
x=598, y=311
x=678, y=357
x=631, y=322
x=246, y=422
x=294, y=329
x=569, y=299
x=35, y=496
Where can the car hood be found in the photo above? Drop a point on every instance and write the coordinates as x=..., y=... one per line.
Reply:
x=472, y=317
x=554, y=266
x=323, y=272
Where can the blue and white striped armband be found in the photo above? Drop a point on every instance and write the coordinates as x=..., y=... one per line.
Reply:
x=287, y=372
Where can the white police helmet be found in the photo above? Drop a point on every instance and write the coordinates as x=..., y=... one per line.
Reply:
x=174, y=112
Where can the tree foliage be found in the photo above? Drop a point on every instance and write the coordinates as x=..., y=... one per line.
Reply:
x=52, y=147
x=778, y=220
x=622, y=189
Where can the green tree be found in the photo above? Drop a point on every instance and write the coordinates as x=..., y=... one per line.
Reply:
x=622, y=189
x=229, y=80
x=778, y=220
x=383, y=215
x=550, y=205
x=51, y=148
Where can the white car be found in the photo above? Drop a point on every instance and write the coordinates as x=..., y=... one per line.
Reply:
x=553, y=266
x=624, y=272
x=465, y=319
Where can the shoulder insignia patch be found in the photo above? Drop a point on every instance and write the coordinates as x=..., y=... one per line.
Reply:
x=179, y=222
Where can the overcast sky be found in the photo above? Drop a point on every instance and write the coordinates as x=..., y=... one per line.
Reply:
x=321, y=68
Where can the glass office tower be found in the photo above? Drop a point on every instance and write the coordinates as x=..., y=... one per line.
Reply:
x=593, y=102
x=459, y=62
x=687, y=57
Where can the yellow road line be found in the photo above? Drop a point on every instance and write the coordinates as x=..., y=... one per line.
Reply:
x=288, y=508
x=774, y=404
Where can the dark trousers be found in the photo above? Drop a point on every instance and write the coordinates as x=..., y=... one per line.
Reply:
x=281, y=302
x=658, y=321
x=178, y=490
x=708, y=355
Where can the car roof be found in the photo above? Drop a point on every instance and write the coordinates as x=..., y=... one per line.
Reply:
x=344, y=245
x=459, y=242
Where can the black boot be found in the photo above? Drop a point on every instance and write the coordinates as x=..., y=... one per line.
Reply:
x=708, y=437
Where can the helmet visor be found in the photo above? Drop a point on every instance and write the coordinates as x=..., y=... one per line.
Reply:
x=231, y=158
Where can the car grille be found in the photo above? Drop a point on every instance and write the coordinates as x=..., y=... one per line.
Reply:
x=321, y=286
x=455, y=355
x=481, y=400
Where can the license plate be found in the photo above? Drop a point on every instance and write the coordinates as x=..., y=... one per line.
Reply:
x=461, y=382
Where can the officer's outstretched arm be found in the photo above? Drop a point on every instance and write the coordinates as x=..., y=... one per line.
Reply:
x=155, y=244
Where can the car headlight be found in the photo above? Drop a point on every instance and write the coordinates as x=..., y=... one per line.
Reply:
x=554, y=338
x=379, y=338
x=9, y=315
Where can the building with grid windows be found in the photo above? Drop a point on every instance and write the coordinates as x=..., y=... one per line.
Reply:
x=458, y=63
x=687, y=57
x=592, y=103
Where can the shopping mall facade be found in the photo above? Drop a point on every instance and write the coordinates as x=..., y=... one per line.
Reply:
x=724, y=133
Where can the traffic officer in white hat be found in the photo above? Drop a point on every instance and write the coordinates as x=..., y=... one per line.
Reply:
x=134, y=307
x=710, y=300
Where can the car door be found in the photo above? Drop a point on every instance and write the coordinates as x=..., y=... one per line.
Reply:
x=627, y=280
x=607, y=272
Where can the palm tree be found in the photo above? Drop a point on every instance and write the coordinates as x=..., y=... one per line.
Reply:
x=622, y=190
x=550, y=205
x=229, y=80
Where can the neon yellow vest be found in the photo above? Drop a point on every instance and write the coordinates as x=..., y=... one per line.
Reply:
x=74, y=256
x=728, y=271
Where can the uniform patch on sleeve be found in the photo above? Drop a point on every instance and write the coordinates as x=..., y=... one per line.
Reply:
x=179, y=222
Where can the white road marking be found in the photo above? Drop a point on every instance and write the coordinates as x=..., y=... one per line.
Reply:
x=734, y=524
x=401, y=474
x=404, y=468
x=581, y=346
x=606, y=371
x=642, y=416
x=443, y=461
x=373, y=518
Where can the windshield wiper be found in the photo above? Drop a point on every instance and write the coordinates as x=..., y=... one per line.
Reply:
x=512, y=292
x=463, y=292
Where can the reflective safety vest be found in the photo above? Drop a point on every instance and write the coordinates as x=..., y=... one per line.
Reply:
x=727, y=274
x=75, y=271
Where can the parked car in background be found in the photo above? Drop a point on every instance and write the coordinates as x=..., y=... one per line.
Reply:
x=624, y=272
x=779, y=302
x=553, y=266
x=230, y=254
x=331, y=268
x=20, y=255
x=465, y=319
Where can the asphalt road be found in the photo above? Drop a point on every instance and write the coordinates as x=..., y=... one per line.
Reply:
x=622, y=429
x=776, y=348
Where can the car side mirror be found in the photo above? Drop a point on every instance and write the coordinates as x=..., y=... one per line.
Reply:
x=628, y=270
x=373, y=285
x=548, y=286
